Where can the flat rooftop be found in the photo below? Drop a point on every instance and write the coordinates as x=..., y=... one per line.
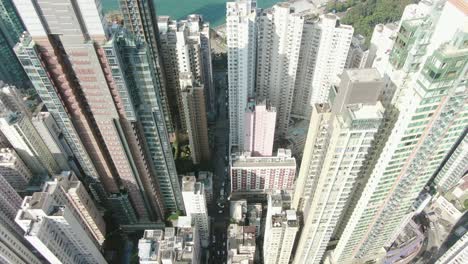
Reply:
x=364, y=75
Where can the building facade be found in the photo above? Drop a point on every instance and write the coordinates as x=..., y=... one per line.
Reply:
x=323, y=54
x=52, y=219
x=260, y=120
x=195, y=115
x=195, y=204
x=431, y=94
x=24, y=138
x=186, y=49
x=338, y=143
x=241, y=34
x=140, y=19
x=279, y=33
x=281, y=228
x=262, y=174
x=456, y=254
x=14, y=170
x=110, y=148
x=11, y=29
x=454, y=167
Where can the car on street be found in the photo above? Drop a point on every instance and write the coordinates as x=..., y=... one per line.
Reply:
x=220, y=211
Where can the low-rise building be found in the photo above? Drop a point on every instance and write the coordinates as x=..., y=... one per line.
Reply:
x=262, y=174
x=172, y=245
x=241, y=244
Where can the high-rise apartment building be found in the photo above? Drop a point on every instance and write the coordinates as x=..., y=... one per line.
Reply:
x=323, y=53
x=279, y=33
x=185, y=48
x=138, y=80
x=98, y=122
x=260, y=120
x=454, y=167
x=14, y=170
x=13, y=248
x=11, y=29
x=140, y=19
x=338, y=143
x=262, y=174
x=281, y=228
x=51, y=134
x=10, y=203
x=24, y=138
x=195, y=207
x=456, y=254
x=428, y=68
x=195, y=118
x=62, y=222
x=241, y=34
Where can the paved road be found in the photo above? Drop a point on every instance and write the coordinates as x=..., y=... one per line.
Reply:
x=219, y=221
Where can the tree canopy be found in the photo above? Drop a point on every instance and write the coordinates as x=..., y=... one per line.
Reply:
x=364, y=15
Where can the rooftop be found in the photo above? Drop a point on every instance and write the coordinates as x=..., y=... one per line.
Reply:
x=282, y=159
x=364, y=75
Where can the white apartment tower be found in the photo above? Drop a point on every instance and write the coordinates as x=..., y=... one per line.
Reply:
x=260, y=120
x=280, y=231
x=195, y=205
x=322, y=58
x=13, y=249
x=455, y=167
x=279, y=32
x=62, y=222
x=428, y=67
x=338, y=142
x=241, y=49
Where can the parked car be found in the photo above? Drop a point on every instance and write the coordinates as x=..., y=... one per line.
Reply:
x=220, y=211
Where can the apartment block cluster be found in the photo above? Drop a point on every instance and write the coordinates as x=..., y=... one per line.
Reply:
x=384, y=122
x=90, y=110
x=86, y=127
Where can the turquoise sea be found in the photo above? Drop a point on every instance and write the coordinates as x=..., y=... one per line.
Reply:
x=213, y=11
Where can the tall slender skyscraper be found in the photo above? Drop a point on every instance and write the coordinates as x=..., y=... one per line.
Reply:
x=338, y=143
x=140, y=19
x=62, y=222
x=82, y=79
x=11, y=29
x=279, y=32
x=185, y=48
x=454, y=167
x=138, y=80
x=241, y=41
x=428, y=67
x=193, y=101
x=323, y=53
x=13, y=247
x=280, y=230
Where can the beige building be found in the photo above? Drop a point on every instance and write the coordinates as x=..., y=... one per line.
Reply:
x=13, y=169
x=193, y=105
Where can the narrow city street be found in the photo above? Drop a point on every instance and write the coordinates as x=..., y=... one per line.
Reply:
x=220, y=214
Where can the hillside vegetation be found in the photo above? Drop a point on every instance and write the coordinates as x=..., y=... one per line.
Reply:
x=363, y=15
